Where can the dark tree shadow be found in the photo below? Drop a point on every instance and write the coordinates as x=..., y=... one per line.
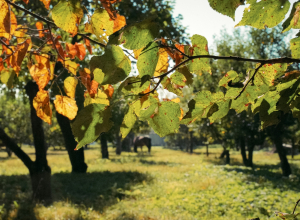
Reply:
x=98, y=190
x=158, y=163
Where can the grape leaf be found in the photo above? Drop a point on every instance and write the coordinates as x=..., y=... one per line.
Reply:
x=7, y=77
x=133, y=85
x=66, y=106
x=139, y=35
x=226, y=7
x=114, y=64
x=41, y=104
x=8, y=21
x=148, y=59
x=199, y=65
x=90, y=123
x=67, y=15
x=165, y=119
x=70, y=84
x=294, y=45
x=76, y=50
x=264, y=14
x=128, y=122
x=98, y=75
x=293, y=20
x=101, y=25
x=100, y=98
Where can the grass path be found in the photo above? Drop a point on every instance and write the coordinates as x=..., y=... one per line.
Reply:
x=168, y=184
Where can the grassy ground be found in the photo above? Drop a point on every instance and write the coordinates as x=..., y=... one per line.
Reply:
x=167, y=184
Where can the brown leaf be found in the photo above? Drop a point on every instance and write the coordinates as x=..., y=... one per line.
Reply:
x=109, y=90
x=41, y=103
x=40, y=75
x=88, y=45
x=119, y=22
x=46, y=3
x=93, y=88
x=39, y=25
x=85, y=76
x=8, y=21
x=76, y=50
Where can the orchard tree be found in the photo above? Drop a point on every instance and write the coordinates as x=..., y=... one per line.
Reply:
x=269, y=88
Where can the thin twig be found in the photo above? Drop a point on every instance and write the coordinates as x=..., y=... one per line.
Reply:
x=49, y=28
x=90, y=39
x=5, y=44
x=31, y=13
x=251, y=79
x=296, y=206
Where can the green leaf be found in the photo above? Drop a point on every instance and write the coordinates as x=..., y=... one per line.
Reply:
x=147, y=108
x=295, y=45
x=100, y=98
x=204, y=105
x=98, y=75
x=133, y=86
x=101, y=25
x=114, y=64
x=178, y=79
x=165, y=119
x=147, y=61
x=171, y=87
x=230, y=76
x=226, y=7
x=7, y=77
x=90, y=122
x=67, y=15
x=199, y=65
x=139, y=35
x=293, y=19
x=264, y=13
x=189, y=77
x=128, y=122
x=222, y=110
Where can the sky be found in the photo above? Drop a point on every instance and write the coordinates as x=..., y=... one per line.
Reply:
x=201, y=19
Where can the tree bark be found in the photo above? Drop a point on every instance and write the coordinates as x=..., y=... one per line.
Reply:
x=243, y=151
x=76, y=157
x=119, y=145
x=277, y=138
x=207, y=153
x=227, y=157
x=191, y=142
x=40, y=172
x=293, y=148
x=104, y=149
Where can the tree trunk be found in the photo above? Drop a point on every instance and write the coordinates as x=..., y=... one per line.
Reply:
x=207, y=153
x=293, y=148
x=119, y=145
x=227, y=157
x=104, y=149
x=76, y=157
x=277, y=138
x=250, y=154
x=191, y=142
x=40, y=172
x=243, y=151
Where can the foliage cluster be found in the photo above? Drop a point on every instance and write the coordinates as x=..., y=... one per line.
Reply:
x=268, y=88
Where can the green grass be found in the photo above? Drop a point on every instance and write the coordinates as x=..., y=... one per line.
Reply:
x=167, y=184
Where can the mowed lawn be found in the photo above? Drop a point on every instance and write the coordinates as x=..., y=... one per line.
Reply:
x=168, y=184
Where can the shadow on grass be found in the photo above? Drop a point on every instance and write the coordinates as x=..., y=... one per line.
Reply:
x=158, y=163
x=265, y=175
x=98, y=190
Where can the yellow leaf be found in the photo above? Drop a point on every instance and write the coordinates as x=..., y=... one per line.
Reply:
x=41, y=103
x=71, y=66
x=137, y=53
x=176, y=100
x=8, y=21
x=67, y=16
x=100, y=98
x=119, y=22
x=70, y=84
x=162, y=63
x=66, y=106
x=40, y=75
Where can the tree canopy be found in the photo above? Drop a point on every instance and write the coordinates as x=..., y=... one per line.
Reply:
x=35, y=43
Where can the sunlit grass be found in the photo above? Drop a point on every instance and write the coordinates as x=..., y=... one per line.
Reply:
x=168, y=184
